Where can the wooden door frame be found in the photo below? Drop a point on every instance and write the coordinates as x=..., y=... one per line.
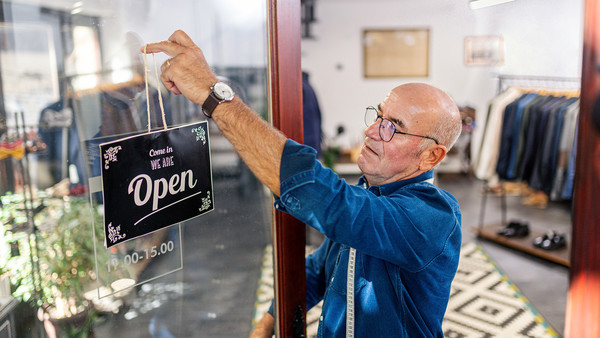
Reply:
x=289, y=236
x=583, y=302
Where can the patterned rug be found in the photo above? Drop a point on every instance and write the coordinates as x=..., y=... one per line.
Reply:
x=483, y=302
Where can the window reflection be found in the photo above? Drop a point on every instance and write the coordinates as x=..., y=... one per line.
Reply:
x=84, y=59
x=77, y=80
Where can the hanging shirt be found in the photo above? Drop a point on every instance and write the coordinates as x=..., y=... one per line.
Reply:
x=515, y=131
x=564, y=150
x=486, y=159
x=407, y=238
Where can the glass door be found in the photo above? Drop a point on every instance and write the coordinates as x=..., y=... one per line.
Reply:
x=72, y=79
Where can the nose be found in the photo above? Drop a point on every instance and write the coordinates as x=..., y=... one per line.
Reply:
x=373, y=131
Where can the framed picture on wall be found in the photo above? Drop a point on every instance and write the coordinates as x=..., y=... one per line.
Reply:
x=484, y=51
x=396, y=53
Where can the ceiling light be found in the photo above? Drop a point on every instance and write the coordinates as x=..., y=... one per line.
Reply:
x=476, y=4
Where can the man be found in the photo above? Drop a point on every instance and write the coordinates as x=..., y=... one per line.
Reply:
x=399, y=233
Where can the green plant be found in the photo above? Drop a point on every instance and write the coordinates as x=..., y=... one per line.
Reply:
x=66, y=259
x=331, y=152
x=56, y=262
x=330, y=156
x=17, y=263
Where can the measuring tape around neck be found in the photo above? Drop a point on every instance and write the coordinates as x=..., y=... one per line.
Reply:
x=350, y=286
x=350, y=294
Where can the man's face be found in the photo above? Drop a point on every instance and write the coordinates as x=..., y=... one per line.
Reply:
x=385, y=162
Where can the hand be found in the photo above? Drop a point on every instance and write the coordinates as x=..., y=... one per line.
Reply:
x=187, y=71
x=265, y=327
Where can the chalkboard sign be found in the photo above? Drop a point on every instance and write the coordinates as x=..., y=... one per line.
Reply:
x=154, y=180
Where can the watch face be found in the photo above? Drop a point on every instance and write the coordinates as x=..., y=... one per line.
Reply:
x=223, y=91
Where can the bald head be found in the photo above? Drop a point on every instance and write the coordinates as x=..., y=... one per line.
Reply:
x=418, y=114
x=434, y=111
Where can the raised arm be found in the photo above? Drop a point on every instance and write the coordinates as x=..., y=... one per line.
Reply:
x=188, y=73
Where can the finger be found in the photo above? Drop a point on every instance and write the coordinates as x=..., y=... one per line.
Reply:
x=181, y=38
x=166, y=65
x=167, y=47
x=170, y=85
x=176, y=43
x=172, y=88
x=175, y=90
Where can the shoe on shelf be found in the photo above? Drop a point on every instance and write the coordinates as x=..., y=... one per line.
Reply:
x=515, y=229
x=555, y=242
x=537, y=242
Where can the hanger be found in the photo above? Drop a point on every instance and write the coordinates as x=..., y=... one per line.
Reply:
x=569, y=93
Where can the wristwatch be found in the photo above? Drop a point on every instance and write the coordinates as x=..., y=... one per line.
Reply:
x=219, y=92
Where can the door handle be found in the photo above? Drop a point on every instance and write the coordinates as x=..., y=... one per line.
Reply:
x=299, y=324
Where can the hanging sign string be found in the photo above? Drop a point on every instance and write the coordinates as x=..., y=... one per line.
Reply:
x=160, y=101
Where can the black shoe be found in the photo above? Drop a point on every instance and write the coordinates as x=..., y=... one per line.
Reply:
x=508, y=228
x=537, y=242
x=555, y=242
x=515, y=229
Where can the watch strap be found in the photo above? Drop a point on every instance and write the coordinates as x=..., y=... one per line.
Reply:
x=210, y=104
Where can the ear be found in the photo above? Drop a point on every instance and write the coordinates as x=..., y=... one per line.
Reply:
x=432, y=156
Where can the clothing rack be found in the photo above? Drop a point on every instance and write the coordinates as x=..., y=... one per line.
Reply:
x=553, y=85
x=537, y=82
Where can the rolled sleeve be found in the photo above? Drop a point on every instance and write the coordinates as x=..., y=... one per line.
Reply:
x=297, y=169
x=406, y=222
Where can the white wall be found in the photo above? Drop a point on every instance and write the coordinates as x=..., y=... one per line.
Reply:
x=542, y=37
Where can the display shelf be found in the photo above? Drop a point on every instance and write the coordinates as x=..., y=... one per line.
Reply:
x=525, y=244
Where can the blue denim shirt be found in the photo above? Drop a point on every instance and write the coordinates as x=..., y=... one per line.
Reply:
x=407, y=238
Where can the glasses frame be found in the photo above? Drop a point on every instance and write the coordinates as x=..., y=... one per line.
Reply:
x=381, y=118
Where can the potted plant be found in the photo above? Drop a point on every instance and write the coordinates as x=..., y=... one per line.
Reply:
x=56, y=265
x=67, y=267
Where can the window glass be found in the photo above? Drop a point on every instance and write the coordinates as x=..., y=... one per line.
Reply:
x=72, y=77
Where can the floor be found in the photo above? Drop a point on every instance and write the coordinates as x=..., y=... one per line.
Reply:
x=214, y=294
x=544, y=283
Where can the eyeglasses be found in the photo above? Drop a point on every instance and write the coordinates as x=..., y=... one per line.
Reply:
x=387, y=129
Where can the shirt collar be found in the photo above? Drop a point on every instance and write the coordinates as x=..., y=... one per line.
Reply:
x=390, y=187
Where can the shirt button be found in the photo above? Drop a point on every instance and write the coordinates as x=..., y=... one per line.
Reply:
x=331, y=279
x=321, y=318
